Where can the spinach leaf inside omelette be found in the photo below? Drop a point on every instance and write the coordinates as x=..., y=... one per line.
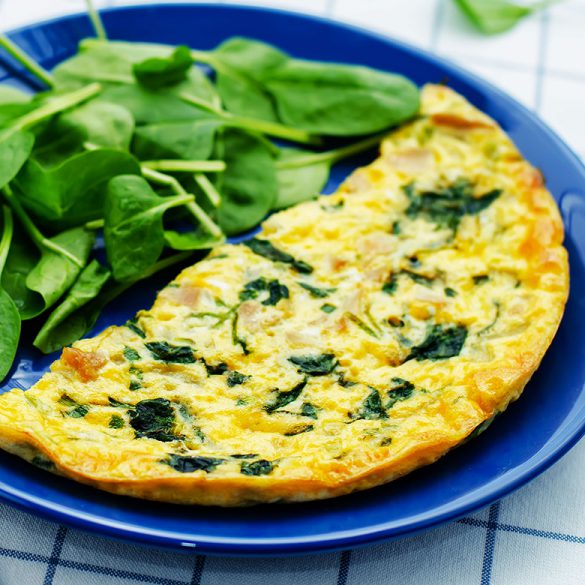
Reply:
x=356, y=338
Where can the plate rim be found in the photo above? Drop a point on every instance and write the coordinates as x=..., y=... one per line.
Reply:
x=564, y=438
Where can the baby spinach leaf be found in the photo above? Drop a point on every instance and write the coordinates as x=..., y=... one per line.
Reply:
x=248, y=186
x=190, y=139
x=55, y=273
x=112, y=63
x=116, y=422
x=159, y=72
x=497, y=16
x=133, y=225
x=315, y=292
x=315, y=365
x=15, y=148
x=215, y=369
x=149, y=107
x=372, y=407
x=391, y=284
x=441, y=342
x=340, y=100
x=276, y=291
x=298, y=184
x=171, y=354
x=236, y=378
x=401, y=390
x=448, y=205
x=310, y=410
x=88, y=285
x=76, y=410
x=267, y=250
x=189, y=463
x=259, y=467
x=153, y=419
x=9, y=315
x=240, y=65
x=23, y=256
x=131, y=354
x=12, y=95
x=282, y=398
x=104, y=124
x=194, y=240
x=73, y=192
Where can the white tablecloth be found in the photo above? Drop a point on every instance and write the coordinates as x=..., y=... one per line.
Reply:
x=534, y=537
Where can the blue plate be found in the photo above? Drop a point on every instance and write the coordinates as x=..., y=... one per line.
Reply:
x=534, y=433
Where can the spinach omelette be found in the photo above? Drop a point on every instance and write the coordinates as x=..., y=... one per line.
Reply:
x=356, y=338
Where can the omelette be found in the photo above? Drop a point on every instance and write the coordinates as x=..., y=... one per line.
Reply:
x=356, y=338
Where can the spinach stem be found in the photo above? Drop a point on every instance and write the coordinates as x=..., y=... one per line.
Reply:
x=58, y=104
x=254, y=124
x=162, y=179
x=36, y=236
x=208, y=188
x=26, y=61
x=6, y=235
x=96, y=224
x=187, y=166
x=331, y=156
x=168, y=203
x=96, y=21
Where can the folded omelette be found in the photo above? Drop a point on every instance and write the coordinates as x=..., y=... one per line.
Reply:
x=355, y=338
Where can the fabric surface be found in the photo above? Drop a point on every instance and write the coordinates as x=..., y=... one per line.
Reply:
x=537, y=535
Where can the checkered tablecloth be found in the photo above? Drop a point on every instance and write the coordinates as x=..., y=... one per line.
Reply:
x=537, y=535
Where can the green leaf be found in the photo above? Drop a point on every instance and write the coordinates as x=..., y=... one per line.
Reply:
x=270, y=252
x=189, y=463
x=12, y=95
x=316, y=292
x=150, y=107
x=315, y=365
x=55, y=273
x=497, y=16
x=189, y=140
x=298, y=184
x=282, y=398
x=447, y=206
x=340, y=100
x=240, y=65
x=441, y=342
x=154, y=419
x=102, y=123
x=88, y=285
x=111, y=63
x=372, y=407
x=133, y=225
x=276, y=291
x=159, y=72
x=9, y=315
x=259, y=467
x=171, y=354
x=22, y=258
x=194, y=240
x=248, y=186
x=15, y=148
x=9, y=332
x=73, y=192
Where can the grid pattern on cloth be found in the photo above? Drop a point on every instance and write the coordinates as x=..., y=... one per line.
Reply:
x=537, y=535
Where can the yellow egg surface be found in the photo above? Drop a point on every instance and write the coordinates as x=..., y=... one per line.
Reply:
x=356, y=338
